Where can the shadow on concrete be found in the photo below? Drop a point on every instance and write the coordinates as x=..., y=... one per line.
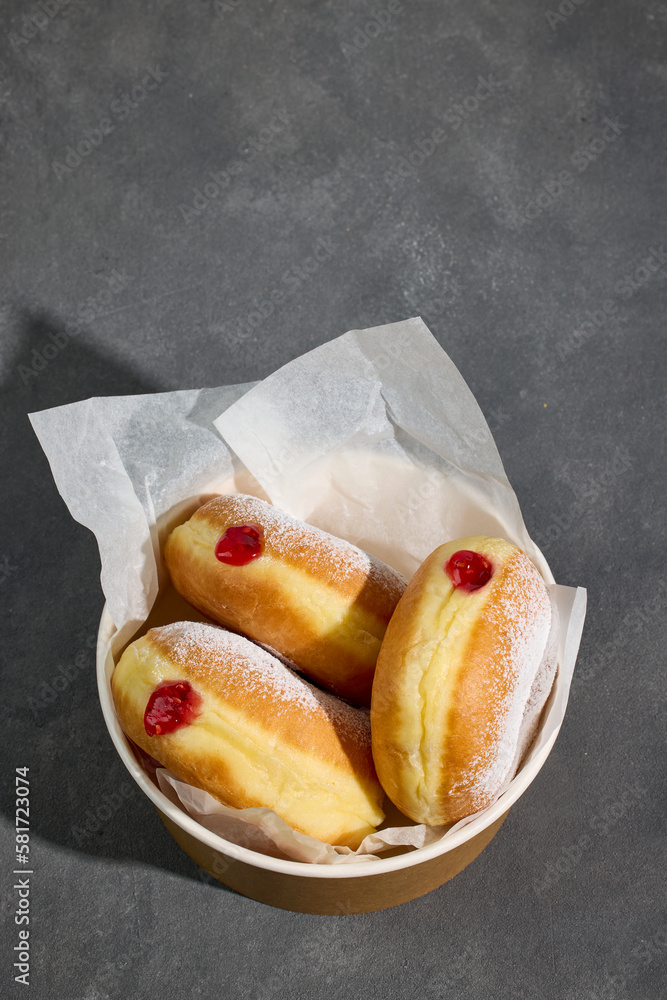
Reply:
x=81, y=796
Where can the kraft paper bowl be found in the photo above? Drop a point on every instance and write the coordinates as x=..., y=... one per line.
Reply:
x=293, y=885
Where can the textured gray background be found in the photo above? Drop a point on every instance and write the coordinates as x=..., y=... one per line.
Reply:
x=568, y=900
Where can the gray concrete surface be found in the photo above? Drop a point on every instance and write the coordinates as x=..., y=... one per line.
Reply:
x=495, y=168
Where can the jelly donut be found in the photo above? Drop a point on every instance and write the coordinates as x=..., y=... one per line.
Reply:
x=316, y=600
x=465, y=669
x=224, y=715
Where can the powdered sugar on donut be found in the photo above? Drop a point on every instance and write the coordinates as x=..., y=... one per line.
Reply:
x=225, y=659
x=523, y=617
x=540, y=691
x=336, y=559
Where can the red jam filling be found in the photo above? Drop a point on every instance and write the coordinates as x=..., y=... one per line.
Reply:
x=240, y=544
x=170, y=707
x=468, y=570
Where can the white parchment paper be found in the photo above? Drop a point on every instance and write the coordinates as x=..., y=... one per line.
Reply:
x=120, y=463
x=374, y=437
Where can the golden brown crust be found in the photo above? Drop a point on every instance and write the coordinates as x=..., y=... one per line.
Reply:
x=263, y=737
x=459, y=677
x=315, y=599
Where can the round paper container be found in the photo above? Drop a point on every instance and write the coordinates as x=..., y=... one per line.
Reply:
x=309, y=888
